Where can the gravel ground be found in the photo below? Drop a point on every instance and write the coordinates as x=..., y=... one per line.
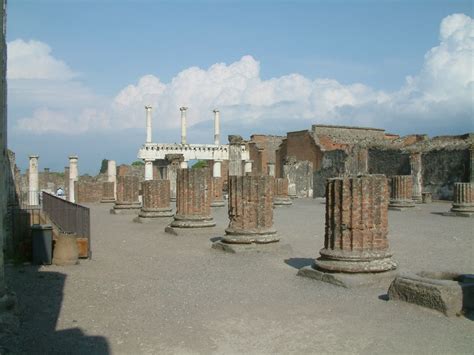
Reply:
x=146, y=291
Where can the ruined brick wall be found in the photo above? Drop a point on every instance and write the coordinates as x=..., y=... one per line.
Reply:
x=88, y=192
x=262, y=149
x=302, y=146
x=280, y=158
x=442, y=168
x=332, y=165
x=349, y=134
x=389, y=162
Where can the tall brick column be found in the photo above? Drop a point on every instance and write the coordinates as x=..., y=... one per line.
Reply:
x=217, y=200
x=108, y=192
x=463, y=203
x=417, y=176
x=280, y=197
x=250, y=210
x=156, y=199
x=401, y=192
x=355, y=238
x=127, y=195
x=193, y=200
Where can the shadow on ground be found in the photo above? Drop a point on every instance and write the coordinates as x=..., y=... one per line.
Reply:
x=299, y=263
x=40, y=295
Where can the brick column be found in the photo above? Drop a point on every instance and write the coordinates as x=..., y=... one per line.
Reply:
x=281, y=197
x=355, y=238
x=463, y=198
x=171, y=172
x=193, y=199
x=471, y=164
x=156, y=199
x=216, y=197
x=250, y=210
x=417, y=177
x=401, y=192
x=235, y=156
x=108, y=192
x=127, y=195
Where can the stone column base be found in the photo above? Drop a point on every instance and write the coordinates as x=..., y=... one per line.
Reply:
x=279, y=202
x=107, y=200
x=132, y=208
x=348, y=280
x=400, y=205
x=355, y=262
x=458, y=214
x=247, y=237
x=192, y=222
x=218, y=204
x=417, y=199
x=272, y=248
x=155, y=212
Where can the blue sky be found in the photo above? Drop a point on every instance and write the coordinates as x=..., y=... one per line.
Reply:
x=79, y=78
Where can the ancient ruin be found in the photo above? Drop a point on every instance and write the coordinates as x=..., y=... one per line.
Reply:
x=217, y=198
x=156, y=200
x=127, y=195
x=193, y=200
x=463, y=204
x=250, y=211
x=108, y=192
x=401, y=193
x=280, y=197
x=355, y=239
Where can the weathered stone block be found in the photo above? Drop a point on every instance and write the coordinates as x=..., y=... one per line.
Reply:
x=127, y=195
x=156, y=200
x=447, y=293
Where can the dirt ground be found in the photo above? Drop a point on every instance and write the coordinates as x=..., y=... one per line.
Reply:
x=145, y=291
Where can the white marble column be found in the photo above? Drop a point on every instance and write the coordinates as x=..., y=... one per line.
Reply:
x=248, y=166
x=33, y=186
x=216, y=168
x=217, y=127
x=183, y=164
x=73, y=175
x=148, y=123
x=183, y=124
x=112, y=175
x=148, y=169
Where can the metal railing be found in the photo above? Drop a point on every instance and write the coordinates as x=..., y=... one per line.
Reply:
x=68, y=216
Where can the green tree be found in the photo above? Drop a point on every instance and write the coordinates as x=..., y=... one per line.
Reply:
x=138, y=163
x=200, y=164
x=103, y=166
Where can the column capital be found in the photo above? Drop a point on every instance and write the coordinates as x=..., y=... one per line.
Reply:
x=34, y=156
x=215, y=110
x=73, y=157
x=148, y=107
x=183, y=109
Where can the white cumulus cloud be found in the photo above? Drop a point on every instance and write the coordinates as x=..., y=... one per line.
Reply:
x=439, y=95
x=33, y=60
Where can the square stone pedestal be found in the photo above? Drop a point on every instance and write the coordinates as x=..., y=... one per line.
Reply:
x=347, y=280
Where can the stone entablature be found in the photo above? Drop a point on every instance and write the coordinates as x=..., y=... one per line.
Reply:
x=154, y=151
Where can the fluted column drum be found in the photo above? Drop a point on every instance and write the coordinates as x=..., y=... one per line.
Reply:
x=417, y=176
x=401, y=192
x=193, y=199
x=250, y=210
x=156, y=199
x=356, y=231
x=463, y=197
x=127, y=195
x=281, y=197
x=217, y=197
x=108, y=192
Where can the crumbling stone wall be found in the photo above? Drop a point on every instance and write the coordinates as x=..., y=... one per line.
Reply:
x=301, y=146
x=389, y=162
x=333, y=165
x=262, y=150
x=442, y=168
x=300, y=177
x=348, y=133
